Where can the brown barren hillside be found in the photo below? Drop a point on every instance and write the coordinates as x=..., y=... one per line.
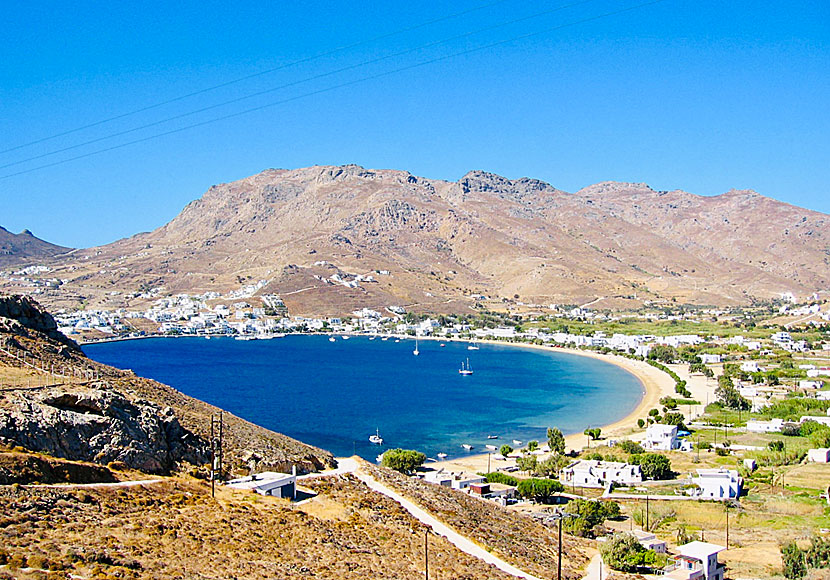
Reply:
x=621, y=243
x=24, y=247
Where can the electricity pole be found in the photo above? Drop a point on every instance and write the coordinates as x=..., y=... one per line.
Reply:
x=426, y=554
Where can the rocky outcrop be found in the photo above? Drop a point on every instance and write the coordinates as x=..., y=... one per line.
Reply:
x=100, y=425
x=20, y=314
x=117, y=416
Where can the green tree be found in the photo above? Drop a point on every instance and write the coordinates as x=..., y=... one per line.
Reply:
x=674, y=419
x=663, y=353
x=728, y=395
x=593, y=433
x=403, y=460
x=589, y=515
x=532, y=445
x=527, y=463
x=653, y=465
x=624, y=552
x=556, y=440
x=505, y=450
x=792, y=557
x=540, y=490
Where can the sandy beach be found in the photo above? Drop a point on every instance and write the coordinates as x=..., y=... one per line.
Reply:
x=656, y=384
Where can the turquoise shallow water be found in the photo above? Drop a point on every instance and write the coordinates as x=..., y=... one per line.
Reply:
x=335, y=394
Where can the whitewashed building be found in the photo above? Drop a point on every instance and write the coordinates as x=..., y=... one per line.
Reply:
x=698, y=561
x=592, y=473
x=759, y=426
x=661, y=438
x=820, y=455
x=718, y=483
x=268, y=483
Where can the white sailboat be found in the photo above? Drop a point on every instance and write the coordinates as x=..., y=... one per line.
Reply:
x=416, y=352
x=376, y=438
x=472, y=346
x=465, y=370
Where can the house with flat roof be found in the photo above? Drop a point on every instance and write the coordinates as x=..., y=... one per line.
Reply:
x=649, y=541
x=661, y=437
x=268, y=483
x=718, y=483
x=592, y=473
x=697, y=561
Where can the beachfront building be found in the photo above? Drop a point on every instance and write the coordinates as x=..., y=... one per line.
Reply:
x=661, y=437
x=592, y=473
x=460, y=481
x=718, y=483
x=697, y=561
x=268, y=483
x=498, y=492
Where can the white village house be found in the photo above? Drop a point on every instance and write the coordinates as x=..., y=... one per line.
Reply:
x=268, y=483
x=592, y=473
x=698, y=561
x=759, y=426
x=718, y=483
x=661, y=438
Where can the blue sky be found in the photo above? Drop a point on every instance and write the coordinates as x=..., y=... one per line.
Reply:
x=700, y=95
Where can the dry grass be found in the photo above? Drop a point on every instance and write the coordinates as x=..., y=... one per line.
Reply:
x=175, y=530
x=515, y=537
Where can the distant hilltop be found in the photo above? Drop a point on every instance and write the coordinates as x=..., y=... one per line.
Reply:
x=23, y=247
x=334, y=239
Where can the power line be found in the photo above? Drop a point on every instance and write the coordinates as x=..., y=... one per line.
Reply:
x=252, y=76
x=339, y=86
x=294, y=83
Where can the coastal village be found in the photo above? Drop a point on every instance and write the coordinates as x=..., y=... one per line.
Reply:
x=733, y=429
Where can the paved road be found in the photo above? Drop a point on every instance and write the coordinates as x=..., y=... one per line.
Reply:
x=595, y=570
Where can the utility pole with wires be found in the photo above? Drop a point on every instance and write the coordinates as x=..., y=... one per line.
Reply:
x=426, y=554
x=216, y=436
x=560, y=515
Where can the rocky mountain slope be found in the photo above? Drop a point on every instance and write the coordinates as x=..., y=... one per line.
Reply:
x=24, y=247
x=74, y=408
x=617, y=243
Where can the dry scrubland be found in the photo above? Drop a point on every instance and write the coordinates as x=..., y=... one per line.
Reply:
x=517, y=538
x=175, y=530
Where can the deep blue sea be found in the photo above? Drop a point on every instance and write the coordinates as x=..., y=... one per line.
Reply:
x=335, y=394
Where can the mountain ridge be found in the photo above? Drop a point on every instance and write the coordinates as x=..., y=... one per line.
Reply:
x=442, y=241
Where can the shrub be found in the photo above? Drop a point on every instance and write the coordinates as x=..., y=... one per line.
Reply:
x=499, y=477
x=630, y=447
x=539, y=490
x=590, y=515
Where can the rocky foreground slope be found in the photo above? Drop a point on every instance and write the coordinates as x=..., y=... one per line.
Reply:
x=617, y=243
x=55, y=400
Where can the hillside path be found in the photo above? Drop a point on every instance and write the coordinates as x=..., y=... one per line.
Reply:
x=349, y=465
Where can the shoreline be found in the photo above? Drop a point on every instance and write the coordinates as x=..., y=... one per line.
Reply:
x=654, y=383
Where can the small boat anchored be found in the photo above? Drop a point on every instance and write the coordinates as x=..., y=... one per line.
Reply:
x=465, y=370
x=516, y=442
x=492, y=437
x=467, y=446
x=376, y=438
x=472, y=346
x=491, y=447
x=416, y=352
x=441, y=455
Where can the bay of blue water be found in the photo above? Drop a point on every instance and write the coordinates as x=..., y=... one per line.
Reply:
x=335, y=394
